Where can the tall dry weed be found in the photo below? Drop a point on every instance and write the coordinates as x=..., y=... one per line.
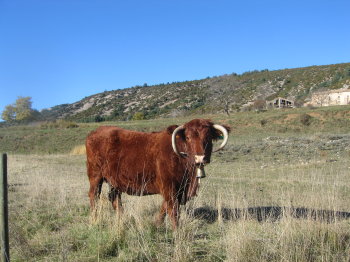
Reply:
x=78, y=150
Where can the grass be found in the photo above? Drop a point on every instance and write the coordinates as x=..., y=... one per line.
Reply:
x=270, y=196
x=61, y=137
x=50, y=218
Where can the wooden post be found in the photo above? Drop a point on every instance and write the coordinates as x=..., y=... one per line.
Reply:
x=5, y=250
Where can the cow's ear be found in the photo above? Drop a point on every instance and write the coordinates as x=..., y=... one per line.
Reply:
x=181, y=132
x=171, y=129
x=217, y=134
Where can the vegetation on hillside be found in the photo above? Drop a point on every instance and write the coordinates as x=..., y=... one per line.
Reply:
x=227, y=93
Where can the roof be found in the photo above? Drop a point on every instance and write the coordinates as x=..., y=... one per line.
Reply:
x=281, y=98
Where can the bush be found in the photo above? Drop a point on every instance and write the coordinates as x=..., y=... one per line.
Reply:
x=99, y=118
x=138, y=116
x=305, y=119
x=263, y=122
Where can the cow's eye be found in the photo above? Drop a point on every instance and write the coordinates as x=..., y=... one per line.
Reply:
x=188, y=138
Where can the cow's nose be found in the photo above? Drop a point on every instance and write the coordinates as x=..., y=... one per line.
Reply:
x=199, y=159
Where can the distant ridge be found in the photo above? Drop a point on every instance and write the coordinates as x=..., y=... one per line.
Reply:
x=228, y=93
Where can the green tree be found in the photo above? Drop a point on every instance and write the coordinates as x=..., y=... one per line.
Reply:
x=9, y=114
x=21, y=110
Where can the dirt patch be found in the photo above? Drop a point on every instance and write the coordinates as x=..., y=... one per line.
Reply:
x=291, y=117
x=317, y=115
x=342, y=114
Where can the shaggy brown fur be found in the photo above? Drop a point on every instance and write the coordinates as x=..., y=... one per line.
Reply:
x=140, y=163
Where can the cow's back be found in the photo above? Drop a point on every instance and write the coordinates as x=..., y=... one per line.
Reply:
x=126, y=159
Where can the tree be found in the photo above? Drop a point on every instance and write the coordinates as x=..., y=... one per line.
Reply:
x=9, y=114
x=226, y=103
x=21, y=110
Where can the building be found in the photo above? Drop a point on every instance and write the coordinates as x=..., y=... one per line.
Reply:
x=331, y=98
x=280, y=102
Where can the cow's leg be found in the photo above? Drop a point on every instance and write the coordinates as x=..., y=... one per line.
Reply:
x=173, y=212
x=115, y=197
x=95, y=191
x=162, y=213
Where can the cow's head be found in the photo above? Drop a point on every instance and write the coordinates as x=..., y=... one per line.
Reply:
x=194, y=140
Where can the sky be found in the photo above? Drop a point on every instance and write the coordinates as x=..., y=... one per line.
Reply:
x=60, y=51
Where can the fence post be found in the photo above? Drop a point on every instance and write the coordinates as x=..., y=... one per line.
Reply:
x=5, y=250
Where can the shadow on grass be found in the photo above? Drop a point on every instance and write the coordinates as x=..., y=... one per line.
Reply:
x=268, y=213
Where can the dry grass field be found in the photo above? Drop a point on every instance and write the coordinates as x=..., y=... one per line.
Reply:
x=246, y=211
x=280, y=195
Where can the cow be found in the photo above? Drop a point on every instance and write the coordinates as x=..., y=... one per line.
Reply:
x=170, y=162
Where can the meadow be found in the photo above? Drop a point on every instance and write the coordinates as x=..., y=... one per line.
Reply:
x=278, y=192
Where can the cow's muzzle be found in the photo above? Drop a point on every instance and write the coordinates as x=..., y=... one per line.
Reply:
x=200, y=159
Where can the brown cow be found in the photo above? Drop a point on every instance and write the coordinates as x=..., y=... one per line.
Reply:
x=169, y=162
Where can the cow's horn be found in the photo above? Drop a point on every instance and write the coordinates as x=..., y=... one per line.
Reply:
x=173, y=141
x=225, y=133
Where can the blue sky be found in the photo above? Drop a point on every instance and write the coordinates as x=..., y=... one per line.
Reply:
x=59, y=51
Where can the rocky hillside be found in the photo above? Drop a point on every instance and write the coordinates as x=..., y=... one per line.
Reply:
x=211, y=95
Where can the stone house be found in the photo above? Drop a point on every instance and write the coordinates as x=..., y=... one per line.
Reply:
x=330, y=98
x=280, y=102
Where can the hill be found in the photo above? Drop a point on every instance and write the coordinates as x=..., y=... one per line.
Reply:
x=228, y=93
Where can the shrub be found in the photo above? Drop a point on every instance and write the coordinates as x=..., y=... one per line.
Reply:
x=263, y=122
x=99, y=118
x=305, y=119
x=138, y=116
